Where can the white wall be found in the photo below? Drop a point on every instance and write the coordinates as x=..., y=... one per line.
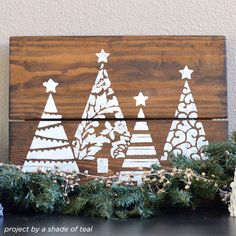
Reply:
x=115, y=17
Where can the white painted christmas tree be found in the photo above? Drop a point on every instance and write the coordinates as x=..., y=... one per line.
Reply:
x=232, y=205
x=186, y=136
x=92, y=135
x=50, y=147
x=141, y=153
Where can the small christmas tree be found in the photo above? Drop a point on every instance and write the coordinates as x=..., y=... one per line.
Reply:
x=50, y=147
x=232, y=205
x=92, y=135
x=186, y=136
x=141, y=153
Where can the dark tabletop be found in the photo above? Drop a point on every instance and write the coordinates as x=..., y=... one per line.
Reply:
x=203, y=221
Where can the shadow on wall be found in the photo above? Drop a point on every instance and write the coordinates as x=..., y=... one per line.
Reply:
x=4, y=78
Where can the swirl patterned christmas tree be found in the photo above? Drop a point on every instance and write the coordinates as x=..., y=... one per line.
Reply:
x=186, y=135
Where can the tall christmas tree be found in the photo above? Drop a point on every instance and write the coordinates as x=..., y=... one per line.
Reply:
x=141, y=153
x=186, y=136
x=50, y=147
x=232, y=205
x=92, y=135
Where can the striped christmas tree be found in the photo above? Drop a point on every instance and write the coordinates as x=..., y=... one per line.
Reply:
x=141, y=153
x=50, y=147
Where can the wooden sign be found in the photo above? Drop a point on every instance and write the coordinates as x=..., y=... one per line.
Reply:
x=114, y=104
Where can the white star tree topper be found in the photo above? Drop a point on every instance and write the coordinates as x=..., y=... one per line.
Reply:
x=186, y=73
x=102, y=56
x=50, y=86
x=140, y=99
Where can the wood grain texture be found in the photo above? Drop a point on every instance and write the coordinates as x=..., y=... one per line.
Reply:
x=21, y=135
x=137, y=63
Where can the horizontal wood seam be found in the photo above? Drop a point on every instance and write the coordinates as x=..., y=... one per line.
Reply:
x=126, y=119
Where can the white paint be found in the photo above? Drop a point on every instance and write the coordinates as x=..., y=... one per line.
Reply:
x=43, y=123
x=102, y=165
x=50, y=116
x=50, y=141
x=141, y=114
x=119, y=17
x=62, y=153
x=143, y=151
x=102, y=56
x=144, y=163
x=46, y=143
x=50, y=86
x=141, y=148
x=50, y=106
x=56, y=132
x=32, y=166
x=141, y=125
x=187, y=107
x=140, y=99
x=141, y=138
x=185, y=137
x=186, y=73
x=90, y=136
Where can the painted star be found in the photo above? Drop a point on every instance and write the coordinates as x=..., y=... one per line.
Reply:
x=140, y=99
x=186, y=73
x=102, y=56
x=50, y=86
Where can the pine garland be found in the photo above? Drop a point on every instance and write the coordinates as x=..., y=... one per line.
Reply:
x=220, y=164
x=29, y=192
x=188, y=184
x=96, y=199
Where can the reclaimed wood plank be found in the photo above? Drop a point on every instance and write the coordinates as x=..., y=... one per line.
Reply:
x=136, y=63
x=22, y=134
